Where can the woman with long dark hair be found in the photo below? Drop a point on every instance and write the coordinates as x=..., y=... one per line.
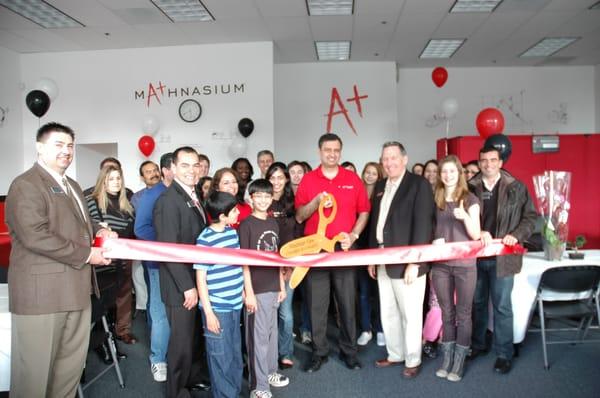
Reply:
x=228, y=180
x=283, y=211
x=367, y=287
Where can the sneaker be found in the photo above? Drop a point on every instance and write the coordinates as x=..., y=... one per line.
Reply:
x=159, y=371
x=380, y=339
x=364, y=338
x=306, y=337
x=260, y=394
x=278, y=380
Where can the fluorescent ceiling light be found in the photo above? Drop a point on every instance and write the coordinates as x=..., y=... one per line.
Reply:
x=330, y=7
x=41, y=13
x=184, y=10
x=333, y=50
x=549, y=46
x=475, y=5
x=441, y=48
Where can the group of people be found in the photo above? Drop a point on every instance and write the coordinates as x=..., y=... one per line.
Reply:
x=195, y=311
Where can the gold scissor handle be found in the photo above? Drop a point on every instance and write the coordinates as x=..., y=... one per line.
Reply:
x=325, y=221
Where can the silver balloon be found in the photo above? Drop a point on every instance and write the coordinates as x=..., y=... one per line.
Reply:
x=450, y=107
x=150, y=125
x=238, y=146
x=49, y=87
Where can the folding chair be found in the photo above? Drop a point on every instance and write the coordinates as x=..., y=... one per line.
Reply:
x=107, y=286
x=581, y=285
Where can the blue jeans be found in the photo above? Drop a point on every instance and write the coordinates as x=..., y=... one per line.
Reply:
x=500, y=289
x=159, y=329
x=224, y=353
x=285, y=341
x=366, y=286
x=305, y=325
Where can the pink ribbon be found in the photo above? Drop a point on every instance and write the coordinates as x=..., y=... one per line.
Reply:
x=130, y=249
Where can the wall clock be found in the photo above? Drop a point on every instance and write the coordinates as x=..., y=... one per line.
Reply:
x=190, y=110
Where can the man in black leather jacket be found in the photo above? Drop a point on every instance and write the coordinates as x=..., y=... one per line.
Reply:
x=507, y=212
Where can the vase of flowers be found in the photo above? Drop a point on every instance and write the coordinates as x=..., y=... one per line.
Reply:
x=552, y=191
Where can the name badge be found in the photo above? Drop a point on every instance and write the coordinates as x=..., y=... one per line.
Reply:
x=190, y=204
x=57, y=190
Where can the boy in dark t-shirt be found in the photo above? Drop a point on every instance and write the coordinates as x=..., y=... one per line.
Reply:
x=265, y=289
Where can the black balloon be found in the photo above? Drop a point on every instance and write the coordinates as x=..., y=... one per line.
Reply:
x=246, y=127
x=501, y=143
x=38, y=102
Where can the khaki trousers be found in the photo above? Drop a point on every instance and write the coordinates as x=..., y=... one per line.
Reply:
x=48, y=353
x=401, y=317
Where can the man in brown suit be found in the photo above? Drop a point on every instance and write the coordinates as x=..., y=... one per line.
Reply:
x=50, y=277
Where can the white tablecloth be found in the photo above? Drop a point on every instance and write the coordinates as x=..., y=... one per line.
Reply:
x=528, y=280
x=4, y=339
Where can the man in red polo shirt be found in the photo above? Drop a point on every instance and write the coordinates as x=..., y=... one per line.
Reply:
x=352, y=214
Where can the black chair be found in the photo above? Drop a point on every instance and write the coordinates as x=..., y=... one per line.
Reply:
x=106, y=277
x=571, y=279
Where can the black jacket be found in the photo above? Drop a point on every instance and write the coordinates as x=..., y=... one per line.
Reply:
x=409, y=221
x=176, y=220
x=515, y=215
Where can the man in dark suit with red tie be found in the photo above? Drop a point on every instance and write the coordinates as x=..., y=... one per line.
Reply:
x=179, y=218
x=50, y=277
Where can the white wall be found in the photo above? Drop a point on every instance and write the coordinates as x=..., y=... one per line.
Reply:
x=302, y=100
x=11, y=131
x=536, y=94
x=97, y=98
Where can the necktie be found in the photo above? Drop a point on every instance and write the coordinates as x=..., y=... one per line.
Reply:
x=198, y=205
x=71, y=196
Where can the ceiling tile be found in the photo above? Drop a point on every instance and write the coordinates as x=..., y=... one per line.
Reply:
x=370, y=27
x=379, y=7
x=232, y=8
x=282, y=8
x=295, y=51
x=331, y=27
x=289, y=28
x=245, y=29
x=460, y=25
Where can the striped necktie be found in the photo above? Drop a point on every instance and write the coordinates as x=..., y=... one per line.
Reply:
x=71, y=196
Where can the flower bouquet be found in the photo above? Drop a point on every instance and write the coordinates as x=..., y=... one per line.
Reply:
x=552, y=191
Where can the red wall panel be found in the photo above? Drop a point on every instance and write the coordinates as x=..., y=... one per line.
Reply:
x=577, y=154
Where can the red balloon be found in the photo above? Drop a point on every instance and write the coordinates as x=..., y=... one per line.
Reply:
x=439, y=76
x=146, y=145
x=490, y=121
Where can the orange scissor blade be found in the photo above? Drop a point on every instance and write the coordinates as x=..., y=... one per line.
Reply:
x=297, y=275
x=308, y=245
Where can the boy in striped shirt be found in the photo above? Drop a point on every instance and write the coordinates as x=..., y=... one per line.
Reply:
x=220, y=288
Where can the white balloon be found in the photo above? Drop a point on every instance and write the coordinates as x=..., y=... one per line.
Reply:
x=150, y=125
x=49, y=87
x=450, y=107
x=238, y=146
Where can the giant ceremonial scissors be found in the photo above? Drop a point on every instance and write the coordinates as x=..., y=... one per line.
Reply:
x=314, y=243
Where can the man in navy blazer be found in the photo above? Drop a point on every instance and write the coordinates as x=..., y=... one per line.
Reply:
x=179, y=218
x=402, y=213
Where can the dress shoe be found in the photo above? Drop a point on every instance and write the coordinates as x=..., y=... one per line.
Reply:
x=127, y=338
x=502, y=365
x=350, y=361
x=202, y=386
x=315, y=363
x=384, y=363
x=411, y=373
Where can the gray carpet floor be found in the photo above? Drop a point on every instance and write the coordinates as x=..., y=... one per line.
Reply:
x=574, y=372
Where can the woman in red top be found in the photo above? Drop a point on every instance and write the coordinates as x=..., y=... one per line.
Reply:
x=227, y=180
